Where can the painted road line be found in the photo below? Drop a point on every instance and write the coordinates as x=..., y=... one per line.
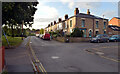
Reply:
x=89, y=51
x=43, y=68
x=102, y=56
x=110, y=59
x=40, y=66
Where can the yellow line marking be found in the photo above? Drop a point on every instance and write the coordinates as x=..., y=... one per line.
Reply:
x=110, y=59
x=33, y=53
x=41, y=69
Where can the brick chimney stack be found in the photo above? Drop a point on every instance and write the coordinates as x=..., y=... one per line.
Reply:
x=54, y=22
x=51, y=23
x=88, y=11
x=59, y=19
x=76, y=11
x=66, y=16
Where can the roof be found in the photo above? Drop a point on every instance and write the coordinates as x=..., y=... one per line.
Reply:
x=115, y=28
x=83, y=15
x=117, y=17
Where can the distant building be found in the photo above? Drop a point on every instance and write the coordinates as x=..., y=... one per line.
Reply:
x=90, y=25
x=115, y=21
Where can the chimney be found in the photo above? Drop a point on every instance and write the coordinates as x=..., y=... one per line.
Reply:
x=54, y=22
x=48, y=25
x=66, y=16
x=51, y=23
x=88, y=11
x=59, y=19
x=76, y=11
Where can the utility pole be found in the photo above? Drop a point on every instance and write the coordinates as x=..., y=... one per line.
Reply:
x=22, y=29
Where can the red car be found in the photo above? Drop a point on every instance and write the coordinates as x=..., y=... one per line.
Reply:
x=46, y=36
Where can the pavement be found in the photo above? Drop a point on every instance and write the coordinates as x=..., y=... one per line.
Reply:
x=76, y=57
x=17, y=60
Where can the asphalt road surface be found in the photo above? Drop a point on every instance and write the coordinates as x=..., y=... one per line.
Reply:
x=72, y=57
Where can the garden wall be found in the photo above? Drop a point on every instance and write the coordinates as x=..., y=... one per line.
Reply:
x=72, y=39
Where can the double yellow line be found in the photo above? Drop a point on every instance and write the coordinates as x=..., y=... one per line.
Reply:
x=36, y=59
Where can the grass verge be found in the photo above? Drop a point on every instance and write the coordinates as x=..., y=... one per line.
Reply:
x=13, y=41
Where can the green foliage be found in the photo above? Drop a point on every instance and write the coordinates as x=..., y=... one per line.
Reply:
x=14, y=41
x=77, y=33
x=31, y=34
x=14, y=14
x=42, y=31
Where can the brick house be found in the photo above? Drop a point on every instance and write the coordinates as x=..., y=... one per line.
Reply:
x=115, y=21
x=114, y=26
x=90, y=25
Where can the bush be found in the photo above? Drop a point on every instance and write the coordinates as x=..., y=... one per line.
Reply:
x=77, y=33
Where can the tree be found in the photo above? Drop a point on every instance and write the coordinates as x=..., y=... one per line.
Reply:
x=77, y=33
x=42, y=31
x=14, y=13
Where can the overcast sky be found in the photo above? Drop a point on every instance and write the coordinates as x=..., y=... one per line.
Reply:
x=50, y=10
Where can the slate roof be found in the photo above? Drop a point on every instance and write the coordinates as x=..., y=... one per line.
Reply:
x=83, y=15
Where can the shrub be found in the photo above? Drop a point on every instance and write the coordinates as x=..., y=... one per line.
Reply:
x=77, y=33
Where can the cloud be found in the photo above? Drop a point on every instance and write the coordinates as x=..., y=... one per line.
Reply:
x=44, y=15
x=109, y=14
x=71, y=5
x=81, y=3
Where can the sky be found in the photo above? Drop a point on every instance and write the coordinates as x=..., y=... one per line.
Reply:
x=50, y=10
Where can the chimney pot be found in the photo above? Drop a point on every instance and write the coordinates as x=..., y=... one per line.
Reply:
x=66, y=16
x=54, y=22
x=51, y=23
x=88, y=11
x=59, y=19
x=76, y=11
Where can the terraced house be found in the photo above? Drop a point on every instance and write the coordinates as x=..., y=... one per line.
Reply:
x=91, y=25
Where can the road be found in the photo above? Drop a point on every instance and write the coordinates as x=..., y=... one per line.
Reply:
x=72, y=57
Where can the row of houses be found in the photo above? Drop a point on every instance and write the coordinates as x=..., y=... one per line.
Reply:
x=91, y=25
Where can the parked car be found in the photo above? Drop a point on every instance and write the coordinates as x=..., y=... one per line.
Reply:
x=46, y=36
x=115, y=38
x=100, y=38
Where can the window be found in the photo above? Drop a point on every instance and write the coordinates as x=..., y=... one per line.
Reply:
x=70, y=23
x=104, y=32
x=90, y=33
x=97, y=32
x=104, y=25
x=66, y=25
x=70, y=30
x=96, y=24
x=83, y=23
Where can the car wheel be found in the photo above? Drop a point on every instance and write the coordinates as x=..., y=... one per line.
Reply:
x=98, y=41
x=108, y=41
x=115, y=40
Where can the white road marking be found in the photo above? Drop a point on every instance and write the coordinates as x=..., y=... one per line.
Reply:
x=99, y=53
x=30, y=42
x=54, y=57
